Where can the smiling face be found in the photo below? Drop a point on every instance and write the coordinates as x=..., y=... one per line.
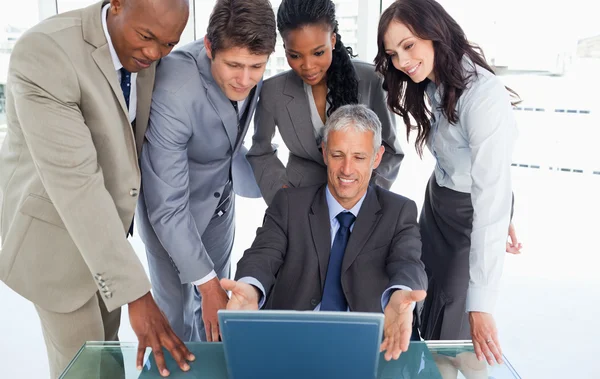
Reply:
x=410, y=54
x=236, y=70
x=309, y=51
x=350, y=160
x=143, y=31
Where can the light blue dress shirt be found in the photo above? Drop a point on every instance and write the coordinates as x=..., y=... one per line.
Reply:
x=334, y=209
x=474, y=156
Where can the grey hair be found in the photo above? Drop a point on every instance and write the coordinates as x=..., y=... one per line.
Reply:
x=356, y=116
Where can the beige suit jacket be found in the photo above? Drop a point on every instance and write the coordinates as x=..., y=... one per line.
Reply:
x=69, y=174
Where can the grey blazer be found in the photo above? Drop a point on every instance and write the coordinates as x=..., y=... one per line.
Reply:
x=191, y=143
x=290, y=254
x=283, y=104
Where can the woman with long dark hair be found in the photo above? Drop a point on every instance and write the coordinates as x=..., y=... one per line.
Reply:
x=462, y=112
x=299, y=101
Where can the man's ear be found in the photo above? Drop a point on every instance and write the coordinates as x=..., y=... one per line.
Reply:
x=324, y=151
x=208, y=48
x=116, y=6
x=378, y=157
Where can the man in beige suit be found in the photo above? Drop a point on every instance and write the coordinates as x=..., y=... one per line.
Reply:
x=78, y=100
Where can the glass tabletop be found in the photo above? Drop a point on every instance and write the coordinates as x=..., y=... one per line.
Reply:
x=423, y=360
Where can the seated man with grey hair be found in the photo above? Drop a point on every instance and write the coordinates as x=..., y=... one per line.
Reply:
x=343, y=246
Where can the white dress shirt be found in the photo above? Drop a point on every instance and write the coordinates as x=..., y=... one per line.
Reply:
x=315, y=117
x=474, y=156
x=118, y=66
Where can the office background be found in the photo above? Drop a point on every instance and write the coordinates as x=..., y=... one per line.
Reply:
x=548, y=310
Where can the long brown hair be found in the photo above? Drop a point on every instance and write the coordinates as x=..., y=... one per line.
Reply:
x=428, y=21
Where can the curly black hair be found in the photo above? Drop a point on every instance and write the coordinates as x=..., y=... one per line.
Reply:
x=342, y=80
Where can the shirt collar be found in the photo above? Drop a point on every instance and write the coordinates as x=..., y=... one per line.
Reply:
x=434, y=92
x=113, y=53
x=437, y=92
x=335, y=208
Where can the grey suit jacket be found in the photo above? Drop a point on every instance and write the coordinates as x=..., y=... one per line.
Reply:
x=283, y=104
x=290, y=254
x=69, y=174
x=191, y=144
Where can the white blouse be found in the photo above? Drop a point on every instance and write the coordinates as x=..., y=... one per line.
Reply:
x=474, y=156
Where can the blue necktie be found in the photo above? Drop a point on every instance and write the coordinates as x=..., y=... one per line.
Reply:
x=333, y=295
x=126, y=84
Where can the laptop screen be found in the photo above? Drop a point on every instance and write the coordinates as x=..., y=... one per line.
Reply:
x=301, y=344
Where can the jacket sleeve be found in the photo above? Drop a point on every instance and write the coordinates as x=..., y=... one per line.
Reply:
x=385, y=175
x=404, y=265
x=47, y=103
x=269, y=171
x=165, y=179
x=267, y=254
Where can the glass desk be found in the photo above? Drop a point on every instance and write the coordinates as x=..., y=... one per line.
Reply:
x=423, y=360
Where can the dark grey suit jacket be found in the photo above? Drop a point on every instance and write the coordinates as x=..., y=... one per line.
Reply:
x=290, y=254
x=283, y=104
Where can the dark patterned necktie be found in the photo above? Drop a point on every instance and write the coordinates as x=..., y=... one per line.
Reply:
x=126, y=84
x=333, y=294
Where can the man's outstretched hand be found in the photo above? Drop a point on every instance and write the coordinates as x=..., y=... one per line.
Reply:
x=398, y=322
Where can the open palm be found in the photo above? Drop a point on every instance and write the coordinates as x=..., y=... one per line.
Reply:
x=397, y=328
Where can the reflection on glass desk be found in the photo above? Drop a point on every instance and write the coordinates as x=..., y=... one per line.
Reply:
x=423, y=360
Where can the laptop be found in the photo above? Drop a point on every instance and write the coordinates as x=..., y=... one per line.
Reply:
x=301, y=344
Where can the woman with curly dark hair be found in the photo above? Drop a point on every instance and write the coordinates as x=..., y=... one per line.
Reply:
x=298, y=101
x=469, y=127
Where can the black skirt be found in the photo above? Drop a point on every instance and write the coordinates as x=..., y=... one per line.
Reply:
x=446, y=222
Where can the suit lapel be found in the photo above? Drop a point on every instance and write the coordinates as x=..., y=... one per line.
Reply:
x=368, y=217
x=299, y=111
x=218, y=100
x=103, y=60
x=145, y=84
x=320, y=227
x=94, y=34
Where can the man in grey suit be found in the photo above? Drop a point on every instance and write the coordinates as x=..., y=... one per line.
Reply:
x=341, y=246
x=193, y=162
x=78, y=100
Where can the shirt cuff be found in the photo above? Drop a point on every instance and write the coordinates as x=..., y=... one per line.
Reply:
x=254, y=282
x=211, y=275
x=385, y=298
x=481, y=300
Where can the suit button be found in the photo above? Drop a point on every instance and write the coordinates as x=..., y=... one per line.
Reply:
x=313, y=302
x=217, y=195
x=133, y=192
x=98, y=277
x=108, y=295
